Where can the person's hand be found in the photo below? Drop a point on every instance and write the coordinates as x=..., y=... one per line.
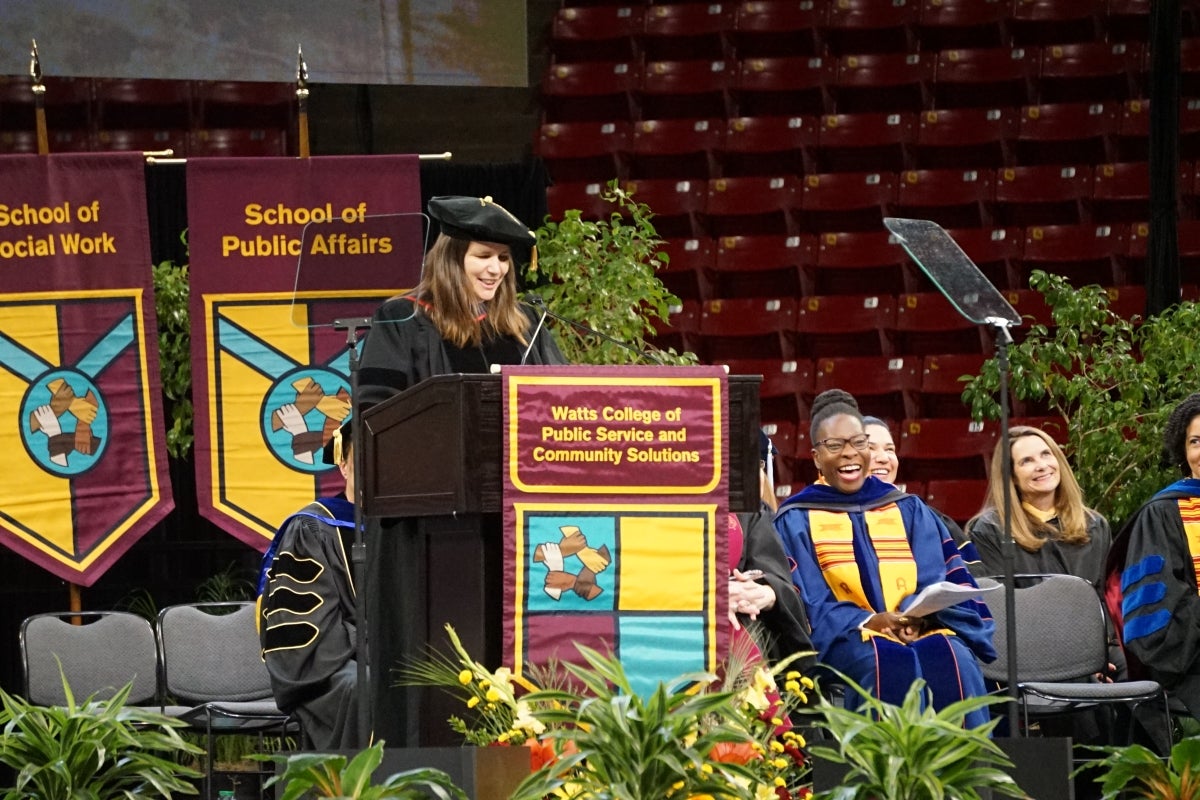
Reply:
x=900, y=627
x=748, y=597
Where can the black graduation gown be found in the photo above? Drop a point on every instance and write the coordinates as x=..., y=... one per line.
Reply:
x=1161, y=607
x=785, y=624
x=404, y=347
x=308, y=628
x=1054, y=557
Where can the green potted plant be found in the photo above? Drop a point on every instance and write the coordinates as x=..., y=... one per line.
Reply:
x=602, y=274
x=336, y=776
x=92, y=749
x=1113, y=380
x=1136, y=772
x=909, y=751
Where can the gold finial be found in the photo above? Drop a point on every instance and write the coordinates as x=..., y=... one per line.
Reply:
x=301, y=73
x=35, y=69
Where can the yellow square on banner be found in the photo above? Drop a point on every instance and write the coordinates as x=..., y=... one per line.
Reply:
x=662, y=563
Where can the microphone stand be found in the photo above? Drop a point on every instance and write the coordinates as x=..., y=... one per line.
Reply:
x=358, y=552
x=1003, y=340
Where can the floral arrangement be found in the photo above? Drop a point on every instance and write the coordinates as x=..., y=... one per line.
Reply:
x=591, y=735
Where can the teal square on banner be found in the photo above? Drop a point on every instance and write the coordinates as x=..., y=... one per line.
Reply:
x=598, y=591
x=659, y=648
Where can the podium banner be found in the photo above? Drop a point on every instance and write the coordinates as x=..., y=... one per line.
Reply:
x=616, y=498
x=280, y=249
x=80, y=393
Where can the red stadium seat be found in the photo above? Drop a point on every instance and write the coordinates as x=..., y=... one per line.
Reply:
x=1127, y=20
x=958, y=499
x=13, y=142
x=747, y=327
x=758, y=265
x=1189, y=66
x=584, y=196
x=1066, y=133
x=846, y=201
x=870, y=141
x=784, y=385
x=751, y=205
x=687, y=30
x=1031, y=306
x=596, y=33
x=1091, y=72
x=677, y=204
x=765, y=145
x=1083, y=254
x=986, y=77
x=237, y=142
x=870, y=26
x=784, y=86
x=950, y=197
x=884, y=82
x=688, y=272
x=927, y=323
x=885, y=386
x=143, y=140
x=1041, y=22
x=1042, y=194
x=67, y=101
x=674, y=148
x=850, y=260
x=246, y=104
x=968, y=138
x=946, y=24
x=681, y=330
x=1188, y=233
x=575, y=151
x=137, y=103
x=1127, y=302
x=766, y=28
x=844, y=325
x=940, y=449
x=686, y=88
x=589, y=90
x=941, y=387
x=1121, y=191
x=1132, y=138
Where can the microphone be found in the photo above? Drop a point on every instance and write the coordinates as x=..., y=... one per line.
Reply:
x=538, y=302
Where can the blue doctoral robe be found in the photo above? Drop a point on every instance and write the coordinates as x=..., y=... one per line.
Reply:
x=948, y=663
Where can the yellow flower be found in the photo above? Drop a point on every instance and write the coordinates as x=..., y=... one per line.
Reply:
x=780, y=782
x=474, y=701
x=504, y=737
x=779, y=763
x=776, y=746
x=792, y=686
x=706, y=768
x=808, y=682
x=465, y=676
x=492, y=695
x=776, y=721
x=793, y=675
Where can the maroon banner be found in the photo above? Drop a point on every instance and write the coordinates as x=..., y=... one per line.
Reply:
x=282, y=250
x=616, y=499
x=80, y=392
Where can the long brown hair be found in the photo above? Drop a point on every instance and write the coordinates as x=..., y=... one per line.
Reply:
x=1028, y=531
x=447, y=298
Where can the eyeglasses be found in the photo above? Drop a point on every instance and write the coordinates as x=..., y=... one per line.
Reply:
x=835, y=444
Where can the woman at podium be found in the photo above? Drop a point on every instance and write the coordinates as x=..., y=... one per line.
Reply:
x=464, y=315
x=863, y=549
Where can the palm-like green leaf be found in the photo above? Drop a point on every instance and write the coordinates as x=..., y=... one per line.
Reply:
x=331, y=775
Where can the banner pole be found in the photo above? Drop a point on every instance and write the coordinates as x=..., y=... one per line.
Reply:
x=39, y=101
x=302, y=101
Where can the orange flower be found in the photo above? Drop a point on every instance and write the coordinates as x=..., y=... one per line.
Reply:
x=541, y=753
x=733, y=752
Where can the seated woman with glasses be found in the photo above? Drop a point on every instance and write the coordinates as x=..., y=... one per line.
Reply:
x=863, y=548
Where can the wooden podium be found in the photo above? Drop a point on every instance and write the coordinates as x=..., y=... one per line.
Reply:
x=432, y=495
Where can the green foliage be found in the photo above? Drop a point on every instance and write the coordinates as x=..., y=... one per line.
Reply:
x=601, y=274
x=619, y=745
x=1135, y=771
x=226, y=585
x=328, y=775
x=911, y=752
x=1115, y=381
x=171, y=291
x=91, y=750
